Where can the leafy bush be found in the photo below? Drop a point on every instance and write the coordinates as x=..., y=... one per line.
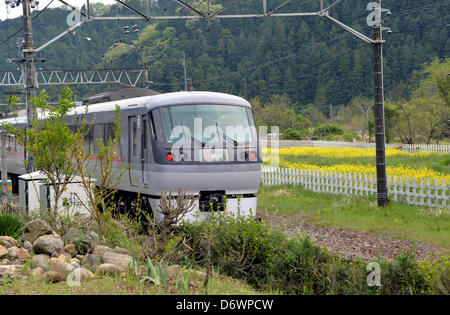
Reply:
x=291, y=134
x=323, y=131
x=437, y=273
x=267, y=259
x=346, y=136
x=11, y=225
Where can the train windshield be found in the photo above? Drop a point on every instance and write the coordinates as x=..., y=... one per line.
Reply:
x=208, y=124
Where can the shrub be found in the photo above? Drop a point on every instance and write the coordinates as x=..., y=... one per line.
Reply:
x=346, y=136
x=11, y=225
x=291, y=134
x=323, y=131
x=267, y=259
x=437, y=273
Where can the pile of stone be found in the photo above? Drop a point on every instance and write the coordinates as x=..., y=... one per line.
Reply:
x=45, y=254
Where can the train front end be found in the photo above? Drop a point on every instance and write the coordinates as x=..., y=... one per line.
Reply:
x=205, y=145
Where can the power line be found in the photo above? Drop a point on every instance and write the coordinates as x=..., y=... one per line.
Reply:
x=420, y=9
x=421, y=29
x=21, y=29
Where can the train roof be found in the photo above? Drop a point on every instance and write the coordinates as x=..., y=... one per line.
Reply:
x=150, y=102
x=166, y=99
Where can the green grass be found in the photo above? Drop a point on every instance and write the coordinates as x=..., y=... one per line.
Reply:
x=413, y=223
x=218, y=285
x=437, y=161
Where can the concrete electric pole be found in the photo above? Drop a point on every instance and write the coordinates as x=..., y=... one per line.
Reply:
x=30, y=72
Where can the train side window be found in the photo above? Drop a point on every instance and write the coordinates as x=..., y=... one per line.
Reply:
x=98, y=134
x=134, y=139
x=89, y=140
x=156, y=125
x=144, y=136
x=108, y=133
x=152, y=127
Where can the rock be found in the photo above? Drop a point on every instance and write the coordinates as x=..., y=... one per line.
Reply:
x=12, y=271
x=53, y=276
x=119, y=260
x=60, y=258
x=75, y=260
x=121, y=250
x=4, y=262
x=79, y=257
x=48, y=244
x=172, y=272
x=35, y=229
x=92, y=260
x=71, y=249
x=13, y=253
x=86, y=274
x=58, y=266
x=108, y=269
x=23, y=254
x=70, y=268
x=199, y=276
x=3, y=252
x=8, y=240
x=40, y=261
x=37, y=272
x=27, y=245
x=101, y=250
x=85, y=242
x=5, y=244
x=75, y=265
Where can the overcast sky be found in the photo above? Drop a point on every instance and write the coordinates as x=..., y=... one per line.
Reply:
x=13, y=13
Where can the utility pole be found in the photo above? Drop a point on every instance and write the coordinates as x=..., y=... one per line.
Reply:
x=379, y=113
x=185, y=74
x=4, y=135
x=30, y=72
x=331, y=113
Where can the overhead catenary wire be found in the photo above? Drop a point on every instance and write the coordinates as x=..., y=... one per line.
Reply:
x=421, y=29
x=21, y=29
x=420, y=9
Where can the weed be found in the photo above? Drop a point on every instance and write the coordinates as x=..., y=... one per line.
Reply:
x=11, y=225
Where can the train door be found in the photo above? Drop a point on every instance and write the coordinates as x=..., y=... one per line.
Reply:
x=134, y=150
x=144, y=149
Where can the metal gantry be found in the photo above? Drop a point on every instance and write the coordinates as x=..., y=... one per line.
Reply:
x=78, y=18
x=130, y=77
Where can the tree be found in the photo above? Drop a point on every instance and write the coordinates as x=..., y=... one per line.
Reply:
x=52, y=145
x=423, y=117
x=315, y=116
x=357, y=116
x=105, y=169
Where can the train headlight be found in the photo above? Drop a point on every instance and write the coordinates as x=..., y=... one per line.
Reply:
x=169, y=157
x=252, y=156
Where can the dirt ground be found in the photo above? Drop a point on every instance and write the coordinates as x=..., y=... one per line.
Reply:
x=347, y=243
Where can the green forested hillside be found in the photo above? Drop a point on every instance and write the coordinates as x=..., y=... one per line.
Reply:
x=307, y=58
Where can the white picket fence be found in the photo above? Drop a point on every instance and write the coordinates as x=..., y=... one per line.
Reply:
x=362, y=145
x=423, y=192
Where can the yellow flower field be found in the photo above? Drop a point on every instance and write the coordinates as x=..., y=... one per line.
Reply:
x=298, y=158
x=341, y=152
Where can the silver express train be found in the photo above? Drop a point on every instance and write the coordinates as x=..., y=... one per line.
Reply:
x=167, y=150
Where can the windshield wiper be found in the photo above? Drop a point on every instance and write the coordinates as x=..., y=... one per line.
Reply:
x=227, y=137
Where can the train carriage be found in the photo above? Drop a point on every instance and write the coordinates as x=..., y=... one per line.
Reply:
x=202, y=143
